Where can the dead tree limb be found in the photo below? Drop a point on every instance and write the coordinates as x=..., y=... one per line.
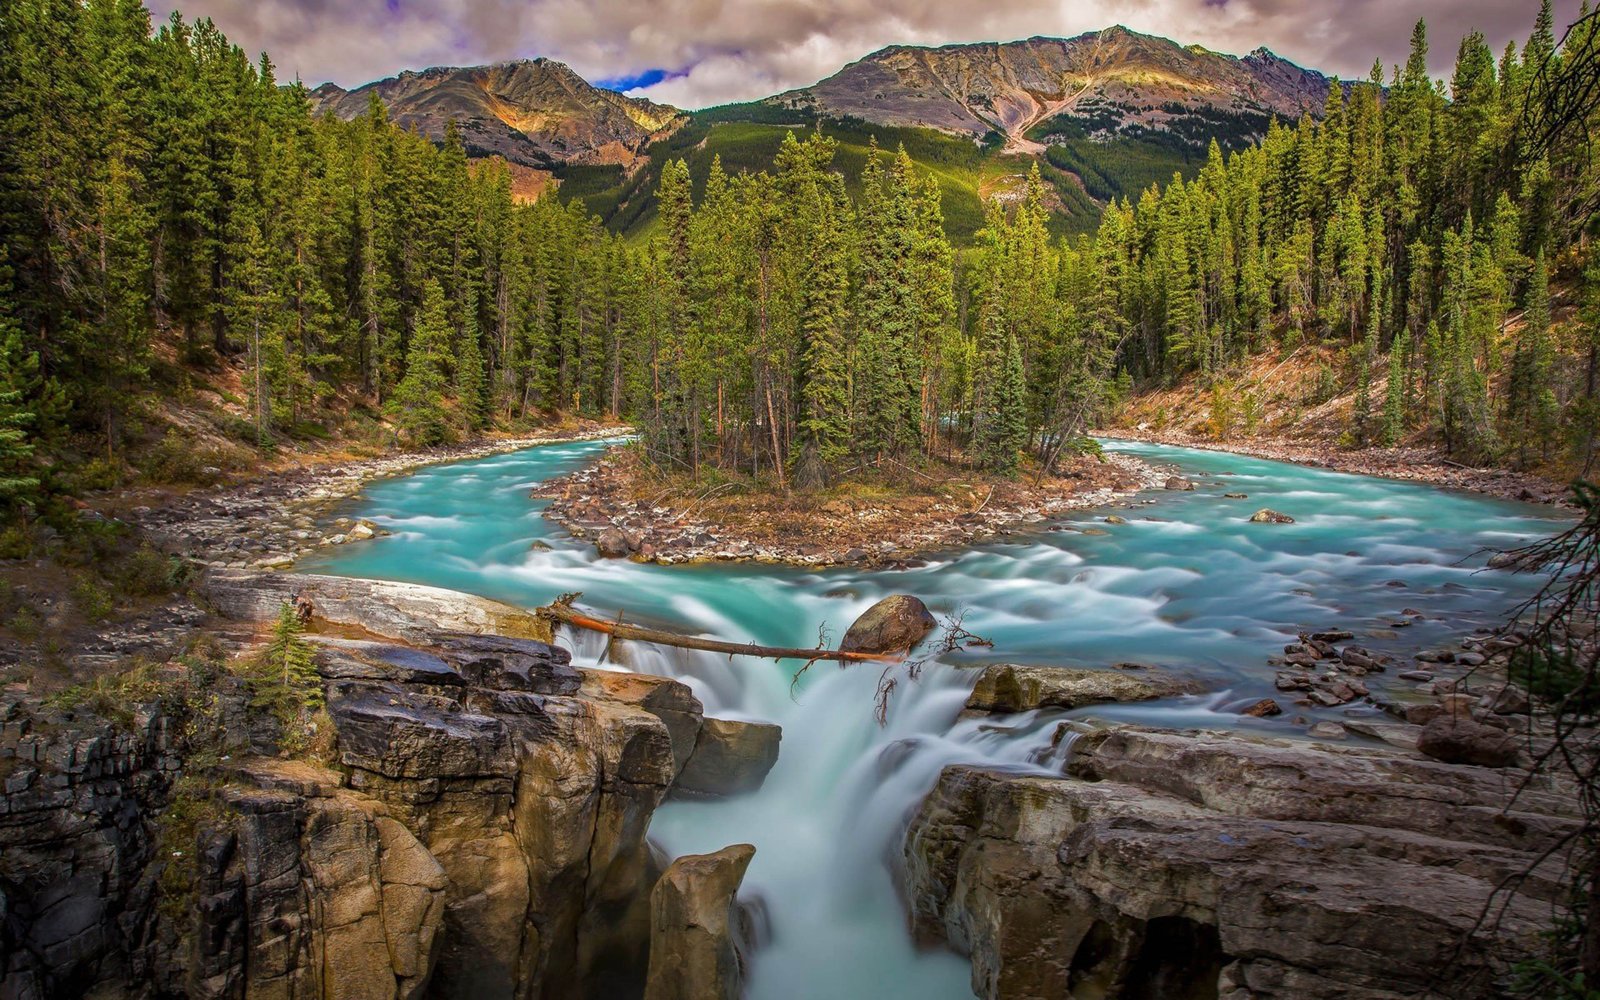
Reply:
x=561, y=610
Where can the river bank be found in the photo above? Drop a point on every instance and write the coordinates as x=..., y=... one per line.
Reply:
x=270, y=521
x=629, y=510
x=1414, y=465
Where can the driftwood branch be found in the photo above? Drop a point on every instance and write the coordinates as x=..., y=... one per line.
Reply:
x=561, y=610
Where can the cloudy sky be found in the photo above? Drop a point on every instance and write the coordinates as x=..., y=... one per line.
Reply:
x=695, y=53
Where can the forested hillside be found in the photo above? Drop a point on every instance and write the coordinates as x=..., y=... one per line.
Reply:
x=1417, y=232
x=176, y=221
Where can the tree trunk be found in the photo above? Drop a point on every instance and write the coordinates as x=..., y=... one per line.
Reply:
x=561, y=611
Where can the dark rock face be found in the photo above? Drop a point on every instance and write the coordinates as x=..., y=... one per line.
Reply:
x=75, y=899
x=895, y=624
x=693, y=918
x=1205, y=865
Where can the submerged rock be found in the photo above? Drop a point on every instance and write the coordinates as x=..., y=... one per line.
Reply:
x=1267, y=515
x=1008, y=687
x=693, y=927
x=729, y=758
x=1262, y=709
x=893, y=625
x=1195, y=864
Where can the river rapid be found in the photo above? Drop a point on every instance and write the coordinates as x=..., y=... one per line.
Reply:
x=1187, y=583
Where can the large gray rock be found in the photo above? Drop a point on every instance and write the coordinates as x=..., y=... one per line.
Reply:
x=1008, y=687
x=729, y=758
x=893, y=625
x=1457, y=738
x=693, y=917
x=1184, y=864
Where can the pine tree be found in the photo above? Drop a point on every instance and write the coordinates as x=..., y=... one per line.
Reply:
x=825, y=390
x=1396, y=400
x=1006, y=428
x=287, y=678
x=472, y=380
x=418, y=403
x=1362, y=415
x=18, y=478
x=1530, y=411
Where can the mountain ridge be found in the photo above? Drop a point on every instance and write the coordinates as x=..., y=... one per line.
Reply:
x=536, y=112
x=1116, y=79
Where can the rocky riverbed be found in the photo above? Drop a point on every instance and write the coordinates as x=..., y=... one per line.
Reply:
x=621, y=508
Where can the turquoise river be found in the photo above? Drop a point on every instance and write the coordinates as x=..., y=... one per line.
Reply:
x=1187, y=582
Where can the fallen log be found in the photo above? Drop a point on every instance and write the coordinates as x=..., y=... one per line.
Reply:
x=561, y=610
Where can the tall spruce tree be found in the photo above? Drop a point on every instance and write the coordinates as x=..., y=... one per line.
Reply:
x=418, y=403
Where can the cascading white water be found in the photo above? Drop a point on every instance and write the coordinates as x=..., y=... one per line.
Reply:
x=1198, y=587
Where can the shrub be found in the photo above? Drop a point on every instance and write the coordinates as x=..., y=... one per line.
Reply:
x=93, y=601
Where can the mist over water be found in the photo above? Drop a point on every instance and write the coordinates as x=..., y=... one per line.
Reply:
x=1194, y=588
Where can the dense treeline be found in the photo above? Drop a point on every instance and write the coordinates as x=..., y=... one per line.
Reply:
x=167, y=206
x=1404, y=225
x=1401, y=226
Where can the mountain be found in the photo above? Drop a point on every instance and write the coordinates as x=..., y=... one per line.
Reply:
x=534, y=112
x=1098, y=85
x=1103, y=115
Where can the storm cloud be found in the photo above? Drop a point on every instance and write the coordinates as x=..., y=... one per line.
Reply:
x=695, y=53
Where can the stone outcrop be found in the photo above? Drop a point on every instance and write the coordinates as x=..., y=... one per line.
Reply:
x=1184, y=864
x=308, y=889
x=1009, y=687
x=533, y=799
x=693, y=922
x=477, y=829
x=895, y=624
x=1457, y=738
x=402, y=610
x=729, y=758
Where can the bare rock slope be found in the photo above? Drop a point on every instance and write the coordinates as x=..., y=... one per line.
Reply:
x=1111, y=80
